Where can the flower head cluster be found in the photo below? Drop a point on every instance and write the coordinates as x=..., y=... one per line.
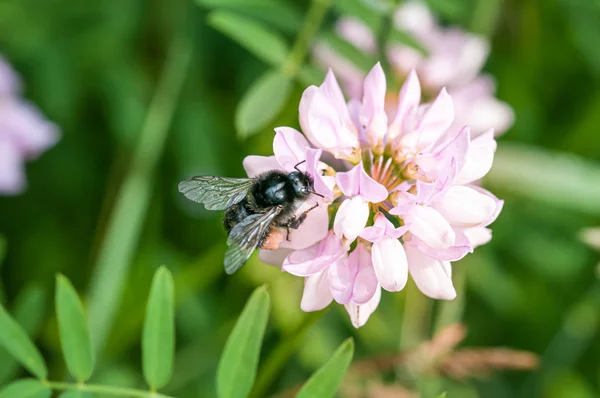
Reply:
x=24, y=133
x=453, y=59
x=400, y=199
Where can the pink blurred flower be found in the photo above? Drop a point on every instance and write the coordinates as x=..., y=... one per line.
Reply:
x=24, y=133
x=401, y=201
x=453, y=59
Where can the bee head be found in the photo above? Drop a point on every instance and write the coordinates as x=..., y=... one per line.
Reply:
x=302, y=183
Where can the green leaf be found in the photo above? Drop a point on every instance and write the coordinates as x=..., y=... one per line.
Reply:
x=158, y=340
x=325, y=381
x=15, y=341
x=443, y=395
x=237, y=367
x=26, y=388
x=283, y=16
x=28, y=311
x=75, y=394
x=73, y=329
x=346, y=49
x=262, y=102
x=264, y=43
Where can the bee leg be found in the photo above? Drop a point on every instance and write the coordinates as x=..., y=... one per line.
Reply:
x=296, y=222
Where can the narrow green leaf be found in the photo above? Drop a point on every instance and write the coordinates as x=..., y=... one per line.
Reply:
x=325, y=381
x=237, y=367
x=26, y=388
x=346, y=49
x=15, y=341
x=158, y=340
x=73, y=329
x=443, y=395
x=76, y=394
x=264, y=43
x=283, y=16
x=262, y=102
x=28, y=311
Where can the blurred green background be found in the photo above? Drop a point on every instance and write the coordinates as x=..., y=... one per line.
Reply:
x=102, y=206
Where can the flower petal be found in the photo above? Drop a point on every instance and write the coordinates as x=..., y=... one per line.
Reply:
x=436, y=120
x=431, y=276
x=342, y=274
x=479, y=158
x=289, y=147
x=390, y=264
x=359, y=314
x=462, y=206
x=274, y=257
x=408, y=102
x=351, y=218
x=316, y=294
x=12, y=174
x=256, y=165
x=373, y=114
x=322, y=184
x=313, y=229
x=431, y=227
x=365, y=283
x=315, y=258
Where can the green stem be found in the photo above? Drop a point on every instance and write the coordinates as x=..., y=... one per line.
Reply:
x=416, y=318
x=282, y=353
x=450, y=312
x=133, y=198
x=387, y=24
x=100, y=389
x=310, y=27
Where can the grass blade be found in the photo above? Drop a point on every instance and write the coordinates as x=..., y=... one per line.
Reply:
x=73, y=329
x=237, y=367
x=325, y=381
x=158, y=341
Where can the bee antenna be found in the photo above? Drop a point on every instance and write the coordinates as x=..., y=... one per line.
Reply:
x=316, y=193
x=298, y=164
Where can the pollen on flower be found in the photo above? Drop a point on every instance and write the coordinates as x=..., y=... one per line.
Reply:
x=400, y=199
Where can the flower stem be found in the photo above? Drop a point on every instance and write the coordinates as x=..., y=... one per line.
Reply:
x=450, y=312
x=101, y=389
x=310, y=27
x=133, y=197
x=281, y=354
x=416, y=319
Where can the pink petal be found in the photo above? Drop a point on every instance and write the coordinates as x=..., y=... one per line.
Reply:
x=12, y=173
x=382, y=227
x=313, y=229
x=431, y=227
x=316, y=294
x=342, y=274
x=289, y=147
x=431, y=276
x=358, y=182
x=479, y=158
x=478, y=236
x=373, y=114
x=351, y=218
x=390, y=264
x=462, y=206
x=499, y=205
x=315, y=258
x=356, y=32
x=322, y=184
x=436, y=120
x=460, y=249
x=455, y=150
x=10, y=83
x=256, y=165
x=274, y=257
x=408, y=101
x=365, y=283
x=359, y=314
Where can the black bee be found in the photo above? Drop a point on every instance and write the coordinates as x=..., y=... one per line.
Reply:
x=257, y=210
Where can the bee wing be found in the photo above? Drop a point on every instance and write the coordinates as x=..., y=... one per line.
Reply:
x=216, y=193
x=245, y=237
